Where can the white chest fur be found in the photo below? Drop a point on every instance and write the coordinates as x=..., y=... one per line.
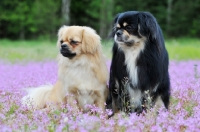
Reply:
x=131, y=55
x=79, y=79
x=130, y=61
x=78, y=74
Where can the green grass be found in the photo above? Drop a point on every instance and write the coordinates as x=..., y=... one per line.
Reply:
x=27, y=50
x=183, y=48
x=38, y=50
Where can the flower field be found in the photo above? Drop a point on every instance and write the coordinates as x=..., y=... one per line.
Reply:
x=183, y=115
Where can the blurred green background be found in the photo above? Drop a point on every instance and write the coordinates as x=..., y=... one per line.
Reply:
x=28, y=27
x=27, y=19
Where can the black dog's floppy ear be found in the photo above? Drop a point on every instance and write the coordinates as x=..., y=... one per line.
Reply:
x=147, y=25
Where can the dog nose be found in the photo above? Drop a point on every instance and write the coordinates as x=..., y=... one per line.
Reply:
x=63, y=45
x=119, y=33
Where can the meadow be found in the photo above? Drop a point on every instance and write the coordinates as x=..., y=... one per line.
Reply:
x=38, y=50
x=32, y=63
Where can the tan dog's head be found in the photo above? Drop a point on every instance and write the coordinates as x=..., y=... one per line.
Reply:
x=76, y=40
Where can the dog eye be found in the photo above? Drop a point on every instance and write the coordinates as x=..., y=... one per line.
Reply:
x=73, y=42
x=117, y=28
x=61, y=41
x=128, y=27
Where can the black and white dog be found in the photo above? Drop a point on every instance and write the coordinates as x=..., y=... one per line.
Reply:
x=139, y=67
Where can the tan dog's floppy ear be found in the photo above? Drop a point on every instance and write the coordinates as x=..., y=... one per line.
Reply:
x=91, y=41
x=61, y=30
x=60, y=34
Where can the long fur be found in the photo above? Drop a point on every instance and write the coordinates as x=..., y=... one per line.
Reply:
x=82, y=72
x=38, y=94
x=139, y=64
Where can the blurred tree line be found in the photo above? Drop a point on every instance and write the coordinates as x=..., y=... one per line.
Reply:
x=30, y=19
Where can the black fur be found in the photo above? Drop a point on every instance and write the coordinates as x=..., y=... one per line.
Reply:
x=152, y=62
x=66, y=52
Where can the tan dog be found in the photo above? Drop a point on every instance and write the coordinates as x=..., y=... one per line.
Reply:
x=82, y=72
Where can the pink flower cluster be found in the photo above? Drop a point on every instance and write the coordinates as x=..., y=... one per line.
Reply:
x=183, y=115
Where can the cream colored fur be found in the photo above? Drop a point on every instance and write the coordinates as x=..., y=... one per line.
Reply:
x=85, y=76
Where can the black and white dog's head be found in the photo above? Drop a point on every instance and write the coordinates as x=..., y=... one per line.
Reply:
x=134, y=28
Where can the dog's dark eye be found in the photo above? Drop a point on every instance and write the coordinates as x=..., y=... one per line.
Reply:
x=117, y=28
x=128, y=27
x=73, y=42
x=61, y=41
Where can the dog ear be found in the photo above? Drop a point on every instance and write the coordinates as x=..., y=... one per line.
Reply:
x=147, y=25
x=60, y=34
x=61, y=31
x=90, y=41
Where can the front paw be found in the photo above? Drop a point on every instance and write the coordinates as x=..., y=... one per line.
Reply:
x=138, y=110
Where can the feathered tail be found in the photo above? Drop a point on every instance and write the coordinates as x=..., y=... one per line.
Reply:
x=37, y=97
